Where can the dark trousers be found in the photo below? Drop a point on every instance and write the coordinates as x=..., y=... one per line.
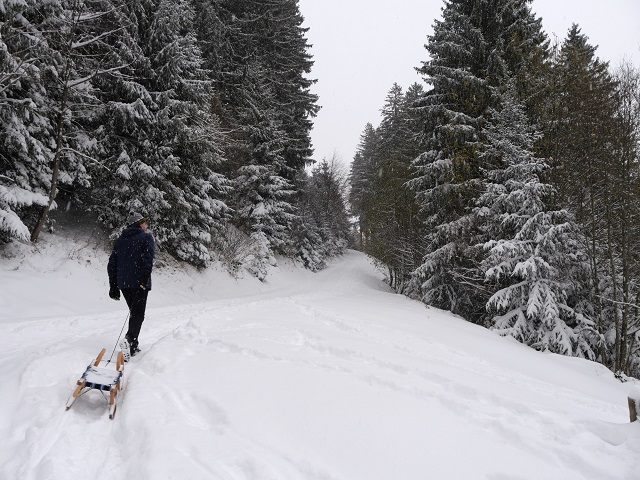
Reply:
x=137, y=301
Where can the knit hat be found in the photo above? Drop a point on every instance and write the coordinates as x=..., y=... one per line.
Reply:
x=135, y=218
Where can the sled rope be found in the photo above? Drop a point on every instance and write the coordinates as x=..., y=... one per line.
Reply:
x=118, y=339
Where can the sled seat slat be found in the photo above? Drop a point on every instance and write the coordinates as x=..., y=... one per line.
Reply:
x=101, y=378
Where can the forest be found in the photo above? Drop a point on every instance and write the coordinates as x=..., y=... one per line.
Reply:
x=504, y=187
x=195, y=113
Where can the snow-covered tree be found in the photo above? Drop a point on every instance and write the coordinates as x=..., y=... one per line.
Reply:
x=25, y=128
x=363, y=168
x=447, y=172
x=473, y=47
x=590, y=142
x=79, y=39
x=263, y=200
x=257, y=55
x=390, y=214
x=162, y=143
x=533, y=253
x=322, y=229
x=52, y=51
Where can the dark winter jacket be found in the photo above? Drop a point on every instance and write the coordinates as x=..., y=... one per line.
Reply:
x=131, y=260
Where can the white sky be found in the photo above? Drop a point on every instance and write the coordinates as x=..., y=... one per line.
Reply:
x=361, y=47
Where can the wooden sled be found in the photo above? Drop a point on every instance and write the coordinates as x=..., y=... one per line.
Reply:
x=101, y=378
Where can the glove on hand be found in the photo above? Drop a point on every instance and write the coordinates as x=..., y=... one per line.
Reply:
x=144, y=279
x=114, y=292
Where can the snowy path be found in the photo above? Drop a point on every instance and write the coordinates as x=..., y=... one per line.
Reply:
x=329, y=376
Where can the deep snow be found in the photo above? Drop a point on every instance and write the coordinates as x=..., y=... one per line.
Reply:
x=307, y=376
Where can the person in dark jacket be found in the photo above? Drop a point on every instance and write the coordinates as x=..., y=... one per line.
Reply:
x=129, y=270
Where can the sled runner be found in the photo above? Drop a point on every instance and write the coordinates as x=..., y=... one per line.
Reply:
x=101, y=378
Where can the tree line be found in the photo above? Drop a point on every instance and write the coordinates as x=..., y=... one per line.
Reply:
x=507, y=188
x=197, y=113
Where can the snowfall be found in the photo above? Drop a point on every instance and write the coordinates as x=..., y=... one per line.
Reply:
x=320, y=376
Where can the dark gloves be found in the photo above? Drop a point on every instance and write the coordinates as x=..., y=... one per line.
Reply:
x=114, y=292
x=144, y=279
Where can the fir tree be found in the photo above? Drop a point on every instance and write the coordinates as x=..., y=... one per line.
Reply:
x=447, y=172
x=55, y=49
x=582, y=129
x=362, y=169
x=80, y=41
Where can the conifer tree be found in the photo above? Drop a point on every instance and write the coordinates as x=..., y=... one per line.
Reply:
x=589, y=170
x=473, y=48
x=25, y=128
x=259, y=64
x=533, y=252
x=448, y=170
x=59, y=47
x=322, y=230
x=161, y=140
x=392, y=213
x=361, y=178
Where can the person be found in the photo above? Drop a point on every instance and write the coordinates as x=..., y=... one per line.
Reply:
x=129, y=270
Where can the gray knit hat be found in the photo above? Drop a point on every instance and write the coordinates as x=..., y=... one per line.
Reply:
x=135, y=218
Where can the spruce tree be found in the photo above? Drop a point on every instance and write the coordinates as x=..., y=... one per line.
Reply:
x=259, y=64
x=447, y=172
x=476, y=45
x=582, y=130
x=392, y=212
x=361, y=178
x=54, y=51
x=322, y=230
x=25, y=128
x=161, y=140
x=533, y=250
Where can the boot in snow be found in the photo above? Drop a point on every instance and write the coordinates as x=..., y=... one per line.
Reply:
x=125, y=348
x=133, y=344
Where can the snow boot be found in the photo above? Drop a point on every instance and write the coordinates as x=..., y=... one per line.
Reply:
x=134, y=347
x=125, y=348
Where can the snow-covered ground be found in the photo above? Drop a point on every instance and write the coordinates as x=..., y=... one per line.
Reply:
x=310, y=376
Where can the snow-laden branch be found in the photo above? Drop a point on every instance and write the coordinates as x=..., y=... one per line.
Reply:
x=5, y=178
x=12, y=77
x=91, y=40
x=79, y=81
x=617, y=302
x=87, y=157
x=85, y=17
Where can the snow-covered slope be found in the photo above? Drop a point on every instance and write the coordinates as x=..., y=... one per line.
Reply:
x=307, y=376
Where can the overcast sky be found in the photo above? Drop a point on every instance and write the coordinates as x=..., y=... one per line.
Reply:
x=361, y=47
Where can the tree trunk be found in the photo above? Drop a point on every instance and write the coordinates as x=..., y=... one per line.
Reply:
x=44, y=214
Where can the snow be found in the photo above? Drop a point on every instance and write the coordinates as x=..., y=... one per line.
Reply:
x=324, y=375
